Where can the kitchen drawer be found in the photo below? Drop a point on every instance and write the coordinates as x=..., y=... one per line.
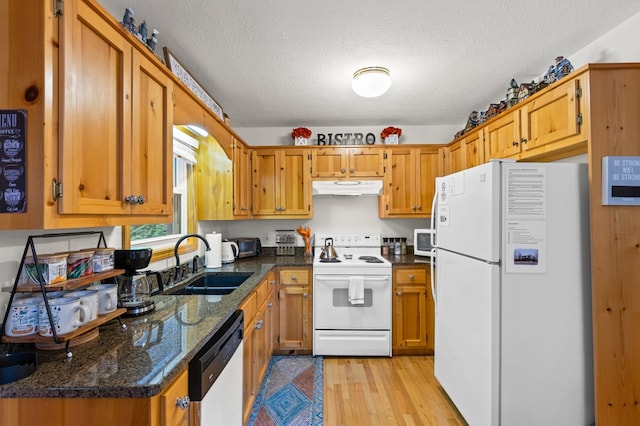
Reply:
x=249, y=307
x=295, y=277
x=262, y=293
x=411, y=276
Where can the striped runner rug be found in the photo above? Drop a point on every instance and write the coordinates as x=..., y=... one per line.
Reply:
x=291, y=393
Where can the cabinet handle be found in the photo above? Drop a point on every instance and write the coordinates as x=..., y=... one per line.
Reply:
x=523, y=140
x=183, y=403
x=141, y=199
x=398, y=293
x=304, y=295
x=259, y=325
x=514, y=143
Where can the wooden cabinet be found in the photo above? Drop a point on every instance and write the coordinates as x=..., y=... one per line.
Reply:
x=162, y=409
x=463, y=153
x=258, y=339
x=409, y=182
x=116, y=121
x=281, y=183
x=241, y=180
x=340, y=162
x=98, y=117
x=174, y=408
x=295, y=307
x=413, y=310
x=546, y=127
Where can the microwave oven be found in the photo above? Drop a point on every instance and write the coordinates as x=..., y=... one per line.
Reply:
x=248, y=247
x=422, y=242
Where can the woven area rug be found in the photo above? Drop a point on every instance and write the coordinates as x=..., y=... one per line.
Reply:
x=291, y=393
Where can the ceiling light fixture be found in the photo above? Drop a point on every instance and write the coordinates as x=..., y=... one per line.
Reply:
x=370, y=82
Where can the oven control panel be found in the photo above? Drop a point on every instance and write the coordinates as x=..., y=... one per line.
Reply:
x=348, y=240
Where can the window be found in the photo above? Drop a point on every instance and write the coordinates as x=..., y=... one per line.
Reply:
x=162, y=237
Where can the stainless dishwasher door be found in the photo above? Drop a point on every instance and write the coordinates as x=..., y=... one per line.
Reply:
x=215, y=375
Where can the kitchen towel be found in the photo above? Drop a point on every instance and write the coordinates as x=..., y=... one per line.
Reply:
x=356, y=290
x=214, y=256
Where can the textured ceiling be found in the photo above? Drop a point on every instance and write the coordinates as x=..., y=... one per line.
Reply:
x=284, y=63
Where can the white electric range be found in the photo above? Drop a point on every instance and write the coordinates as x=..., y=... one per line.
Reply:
x=351, y=297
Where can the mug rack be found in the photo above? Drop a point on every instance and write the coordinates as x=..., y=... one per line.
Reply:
x=70, y=284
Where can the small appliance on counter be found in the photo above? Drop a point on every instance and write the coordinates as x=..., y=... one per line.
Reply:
x=134, y=291
x=247, y=247
x=286, y=242
x=230, y=252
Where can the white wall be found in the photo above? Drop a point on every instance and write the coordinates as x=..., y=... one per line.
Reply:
x=342, y=214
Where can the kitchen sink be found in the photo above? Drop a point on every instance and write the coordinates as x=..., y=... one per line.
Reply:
x=219, y=283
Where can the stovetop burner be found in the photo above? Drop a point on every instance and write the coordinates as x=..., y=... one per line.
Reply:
x=333, y=260
x=371, y=259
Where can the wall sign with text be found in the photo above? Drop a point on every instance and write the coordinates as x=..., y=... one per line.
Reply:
x=13, y=161
x=346, y=138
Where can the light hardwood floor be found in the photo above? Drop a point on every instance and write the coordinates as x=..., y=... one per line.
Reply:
x=385, y=391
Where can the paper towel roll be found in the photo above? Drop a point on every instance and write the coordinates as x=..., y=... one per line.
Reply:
x=213, y=256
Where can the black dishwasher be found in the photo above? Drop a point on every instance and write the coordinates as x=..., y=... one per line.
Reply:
x=219, y=360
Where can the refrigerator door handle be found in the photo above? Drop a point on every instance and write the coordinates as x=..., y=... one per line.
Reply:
x=432, y=276
x=433, y=215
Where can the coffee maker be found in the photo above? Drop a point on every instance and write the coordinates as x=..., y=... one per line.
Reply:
x=134, y=292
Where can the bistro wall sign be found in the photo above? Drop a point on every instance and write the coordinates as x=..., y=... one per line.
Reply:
x=346, y=138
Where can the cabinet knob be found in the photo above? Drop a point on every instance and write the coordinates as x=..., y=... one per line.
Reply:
x=272, y=282
x=411, y=277
x=352, y=170
x=259, y=325
x=420, y=208
x=343, y=170
x=523, y=140
x=183, y=403
x=305, y=295
x=141, y=199
x=514, y=143
x=270, y=305
x=398, y=293
x=293, y=278
x=131, y=199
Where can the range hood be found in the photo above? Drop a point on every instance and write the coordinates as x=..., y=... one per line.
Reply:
x=347, y=187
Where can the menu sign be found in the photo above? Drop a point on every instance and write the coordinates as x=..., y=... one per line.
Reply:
x=13, y=159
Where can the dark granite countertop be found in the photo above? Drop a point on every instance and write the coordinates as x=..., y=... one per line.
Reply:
x=143, y=359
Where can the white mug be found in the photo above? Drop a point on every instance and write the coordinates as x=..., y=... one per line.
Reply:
x=107, y=297
x=89, y=298
x=23, y=317
x=67, y=314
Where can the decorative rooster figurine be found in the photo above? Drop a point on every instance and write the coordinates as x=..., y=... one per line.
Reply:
x=305, y=232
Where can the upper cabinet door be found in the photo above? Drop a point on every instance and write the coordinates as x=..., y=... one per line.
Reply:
x=95, y=137
x=152, y=148
x=366, y=162
x=553, y=121
x=503, y=136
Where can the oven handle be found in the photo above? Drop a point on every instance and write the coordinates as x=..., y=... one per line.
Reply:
x=332, y=278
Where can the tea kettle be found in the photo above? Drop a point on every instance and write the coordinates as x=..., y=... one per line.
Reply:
x=229, y=251
x=328, y=252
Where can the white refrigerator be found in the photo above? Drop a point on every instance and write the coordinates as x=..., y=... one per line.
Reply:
x=513, y=341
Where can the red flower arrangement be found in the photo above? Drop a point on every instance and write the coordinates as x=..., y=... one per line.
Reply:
x=301, y=132
x=390, y=131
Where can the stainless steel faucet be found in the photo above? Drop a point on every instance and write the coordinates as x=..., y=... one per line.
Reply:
x=180, y=240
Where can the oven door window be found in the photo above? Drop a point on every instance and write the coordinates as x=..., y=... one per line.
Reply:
x=333, y=310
